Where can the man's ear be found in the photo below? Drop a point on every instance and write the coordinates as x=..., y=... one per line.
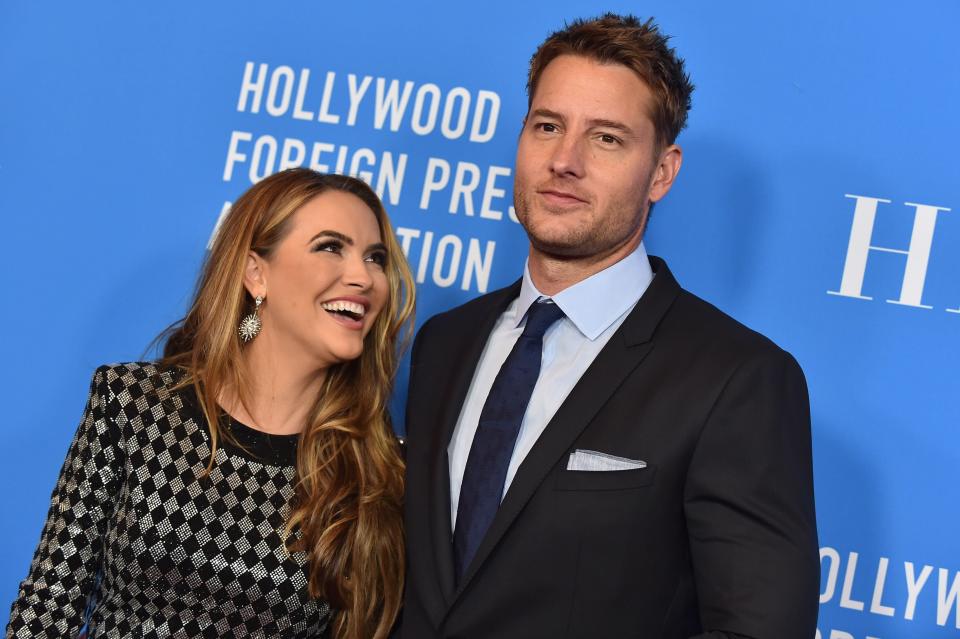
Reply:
x=255, y=275
x=668, y=166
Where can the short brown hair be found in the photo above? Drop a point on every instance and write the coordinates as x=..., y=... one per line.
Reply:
x=639, y=46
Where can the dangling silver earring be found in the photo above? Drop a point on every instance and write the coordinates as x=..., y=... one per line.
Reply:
x=250, y=325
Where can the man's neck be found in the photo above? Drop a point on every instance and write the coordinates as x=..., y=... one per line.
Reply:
x=552, y=274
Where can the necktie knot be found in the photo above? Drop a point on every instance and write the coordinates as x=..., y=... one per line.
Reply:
x=540, y=317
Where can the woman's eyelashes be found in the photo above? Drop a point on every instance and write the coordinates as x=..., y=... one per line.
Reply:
x=328, y=246
x=377, y=256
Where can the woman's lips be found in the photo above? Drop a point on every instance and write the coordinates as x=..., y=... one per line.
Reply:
x=348, y=310
x=348, y=322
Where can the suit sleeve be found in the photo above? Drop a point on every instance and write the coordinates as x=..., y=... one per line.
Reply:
x=53, y=598
x=414, y=380
x=412, y=613
x=749, y=506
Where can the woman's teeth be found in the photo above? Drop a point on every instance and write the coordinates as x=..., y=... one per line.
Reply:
x=353, y=309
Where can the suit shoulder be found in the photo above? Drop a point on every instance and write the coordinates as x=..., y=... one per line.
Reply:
x=476, y=306
x=718, y=334
x=464, y=318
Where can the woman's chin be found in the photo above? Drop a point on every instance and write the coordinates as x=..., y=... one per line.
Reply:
x=344, y=355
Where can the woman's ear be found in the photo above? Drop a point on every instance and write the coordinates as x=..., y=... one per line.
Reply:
x=255, y=275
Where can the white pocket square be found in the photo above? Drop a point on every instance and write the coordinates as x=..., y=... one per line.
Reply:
x=594, y=461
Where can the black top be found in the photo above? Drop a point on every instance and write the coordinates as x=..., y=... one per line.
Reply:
x=256, y=445
x=139, y=543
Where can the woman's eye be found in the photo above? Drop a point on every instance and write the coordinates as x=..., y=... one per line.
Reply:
x=329, y=246
x=378, y=257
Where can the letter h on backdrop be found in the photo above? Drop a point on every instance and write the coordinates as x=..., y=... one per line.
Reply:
x=918, y=253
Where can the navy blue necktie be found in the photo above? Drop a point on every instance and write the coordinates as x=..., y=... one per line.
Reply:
x=492, y=447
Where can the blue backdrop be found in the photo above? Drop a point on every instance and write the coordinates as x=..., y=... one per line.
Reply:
x=814, y=205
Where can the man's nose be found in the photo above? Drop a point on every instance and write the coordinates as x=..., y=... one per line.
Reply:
x=568, y=157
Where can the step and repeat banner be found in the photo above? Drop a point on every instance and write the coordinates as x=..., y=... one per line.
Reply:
x=819, y=203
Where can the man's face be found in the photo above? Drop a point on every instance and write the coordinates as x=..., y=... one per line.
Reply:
x=586, y=167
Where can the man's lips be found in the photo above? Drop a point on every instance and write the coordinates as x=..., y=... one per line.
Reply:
x=560, y=198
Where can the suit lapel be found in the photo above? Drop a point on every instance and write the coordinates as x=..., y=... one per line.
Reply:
x=623, y=353
x=461, y=359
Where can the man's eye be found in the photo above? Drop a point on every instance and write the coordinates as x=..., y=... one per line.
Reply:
x=378, y=257
x=328, y=246
x=606, y=138
x=547, y=127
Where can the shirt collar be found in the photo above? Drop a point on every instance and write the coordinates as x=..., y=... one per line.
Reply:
x=596, y=302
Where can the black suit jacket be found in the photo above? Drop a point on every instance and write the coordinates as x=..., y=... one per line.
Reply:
x=716, y=535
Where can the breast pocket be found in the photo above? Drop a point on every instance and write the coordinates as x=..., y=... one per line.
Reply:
x=605, y=479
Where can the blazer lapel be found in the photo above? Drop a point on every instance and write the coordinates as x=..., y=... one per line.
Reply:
x=622, y=354
x=464, y=356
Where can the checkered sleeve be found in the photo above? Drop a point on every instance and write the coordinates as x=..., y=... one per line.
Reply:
x=53, y=597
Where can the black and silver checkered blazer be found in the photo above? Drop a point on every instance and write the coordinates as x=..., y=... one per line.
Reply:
x=138, y=543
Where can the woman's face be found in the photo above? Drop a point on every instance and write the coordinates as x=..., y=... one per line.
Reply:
x=324, y=284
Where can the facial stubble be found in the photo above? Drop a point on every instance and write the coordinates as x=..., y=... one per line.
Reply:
x=597, y=238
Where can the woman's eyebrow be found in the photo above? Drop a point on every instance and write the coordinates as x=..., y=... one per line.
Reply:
x=346, y=239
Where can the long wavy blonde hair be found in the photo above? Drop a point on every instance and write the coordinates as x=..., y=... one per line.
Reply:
x=347, y=509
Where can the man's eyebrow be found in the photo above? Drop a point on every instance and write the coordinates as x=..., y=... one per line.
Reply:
x=547, y=113
x=346, y=239
x=611, y=124
x=596, y=122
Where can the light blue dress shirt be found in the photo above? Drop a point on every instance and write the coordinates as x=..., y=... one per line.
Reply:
x=594, y=309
